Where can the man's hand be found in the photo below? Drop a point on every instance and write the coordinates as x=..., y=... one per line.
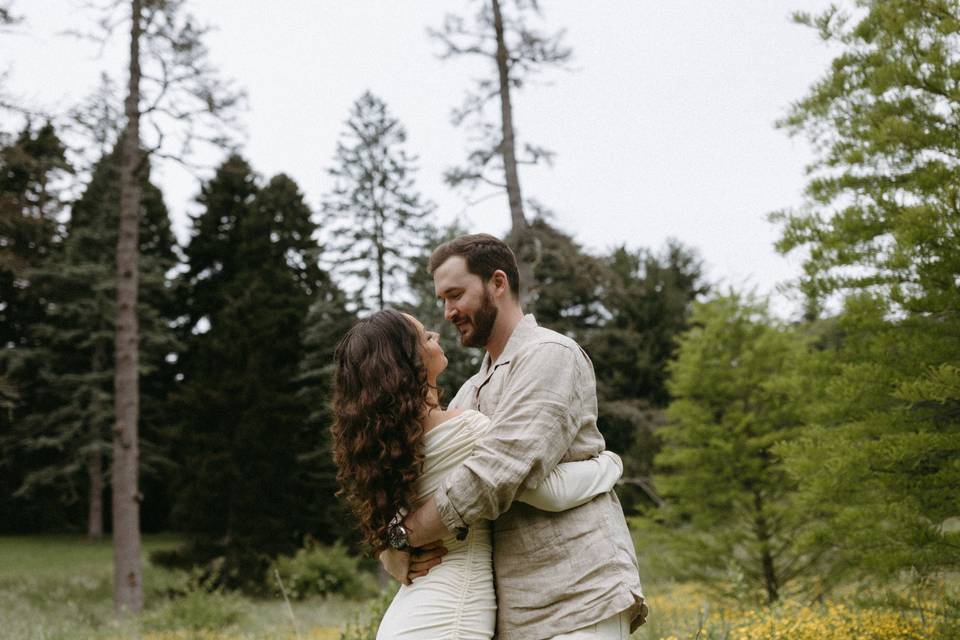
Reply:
x=424, y=526
x=406, y=567
x=425, y=558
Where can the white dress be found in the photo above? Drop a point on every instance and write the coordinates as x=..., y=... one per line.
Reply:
x=456, y=599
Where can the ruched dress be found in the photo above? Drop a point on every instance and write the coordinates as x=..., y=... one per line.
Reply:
x=456, y=599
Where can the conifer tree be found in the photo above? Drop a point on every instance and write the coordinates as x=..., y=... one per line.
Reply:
x=729, y=505
x=32, y=170
x=879, y=231
x=374, y=217
x=253, y=276
x=73, y=350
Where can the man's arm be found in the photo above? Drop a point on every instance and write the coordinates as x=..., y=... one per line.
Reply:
x=536, y=421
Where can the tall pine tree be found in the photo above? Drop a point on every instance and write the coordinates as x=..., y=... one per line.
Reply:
x=374, y=216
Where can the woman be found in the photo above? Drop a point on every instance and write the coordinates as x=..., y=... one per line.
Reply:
x=393, y=444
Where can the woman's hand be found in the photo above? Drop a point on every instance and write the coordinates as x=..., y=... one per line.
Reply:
x=406, y=567
x=397, y=564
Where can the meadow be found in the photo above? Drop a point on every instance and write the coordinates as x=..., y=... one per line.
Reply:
x=59, y=587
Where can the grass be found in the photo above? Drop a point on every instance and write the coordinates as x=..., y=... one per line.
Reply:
x=60, y=587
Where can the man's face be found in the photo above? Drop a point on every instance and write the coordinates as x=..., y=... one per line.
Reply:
x=467, y=302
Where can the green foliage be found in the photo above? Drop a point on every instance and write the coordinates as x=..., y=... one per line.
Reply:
x=879, y=231
x=365, y=625
x=374, y=217
x=245, y=492
x=322, y=570
x=729, y=502
x=199, y=609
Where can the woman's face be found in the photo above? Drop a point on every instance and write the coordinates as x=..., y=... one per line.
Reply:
x=431, y=353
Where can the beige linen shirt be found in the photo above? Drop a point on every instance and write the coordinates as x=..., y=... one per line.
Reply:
x=555, y=572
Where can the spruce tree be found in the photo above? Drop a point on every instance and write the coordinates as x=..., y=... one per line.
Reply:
x=32, y=170
x=374, y=217
x=70, y=426
x=243, y=495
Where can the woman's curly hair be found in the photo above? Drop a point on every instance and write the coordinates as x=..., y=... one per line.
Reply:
x=379, y=398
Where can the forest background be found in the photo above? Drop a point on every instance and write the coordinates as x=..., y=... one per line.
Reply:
x=156, y=384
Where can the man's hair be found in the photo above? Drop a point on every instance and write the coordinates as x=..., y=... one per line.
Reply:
x=484, y=255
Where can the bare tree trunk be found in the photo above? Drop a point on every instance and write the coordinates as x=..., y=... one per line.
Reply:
x=95, y=458
x=127, y=574
x=95, y=507
x=518, y=232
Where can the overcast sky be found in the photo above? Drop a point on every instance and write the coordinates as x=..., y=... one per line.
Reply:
x=665, y=127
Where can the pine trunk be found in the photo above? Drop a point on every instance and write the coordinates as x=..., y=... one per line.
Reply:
x=95, y=507
x=127, y=586
x=518, y=231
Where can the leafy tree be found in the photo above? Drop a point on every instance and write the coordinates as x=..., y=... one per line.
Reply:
x=879, y=231
x=517, y=51
x=245, y=399
x=729, y=504
x=647, y=299
x=374, y=216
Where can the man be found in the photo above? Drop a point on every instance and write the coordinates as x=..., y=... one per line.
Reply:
x=569, y=574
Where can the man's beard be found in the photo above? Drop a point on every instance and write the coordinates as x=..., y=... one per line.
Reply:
x=482, y=322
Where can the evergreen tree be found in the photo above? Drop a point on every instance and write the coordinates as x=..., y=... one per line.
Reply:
x=69, y=426
x=729, y=503
x=244, y=399
x=374, y=216
x=880, y=231
x=32, y=168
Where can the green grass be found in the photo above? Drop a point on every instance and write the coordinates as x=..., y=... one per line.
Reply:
x=61, y=587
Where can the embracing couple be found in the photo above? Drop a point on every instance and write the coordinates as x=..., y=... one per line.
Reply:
x=496, y=514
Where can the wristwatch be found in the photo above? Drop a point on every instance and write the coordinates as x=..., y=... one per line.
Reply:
x=397, y=537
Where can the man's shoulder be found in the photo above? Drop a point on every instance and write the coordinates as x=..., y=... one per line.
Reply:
x=558, y=343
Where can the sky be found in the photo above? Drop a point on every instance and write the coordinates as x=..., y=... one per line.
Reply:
x=662, y=128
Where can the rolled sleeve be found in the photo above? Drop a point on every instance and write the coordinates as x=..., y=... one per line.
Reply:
x=533, y=427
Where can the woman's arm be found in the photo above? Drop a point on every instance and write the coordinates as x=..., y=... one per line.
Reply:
x=572, y=484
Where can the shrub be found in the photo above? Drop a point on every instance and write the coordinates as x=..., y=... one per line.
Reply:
x=199, y=610
x=365, y=625
x=321, y=570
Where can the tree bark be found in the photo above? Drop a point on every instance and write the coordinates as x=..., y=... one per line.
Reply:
x=95, y=507
x=128, y=588
x=766, y=559
x=518, y=232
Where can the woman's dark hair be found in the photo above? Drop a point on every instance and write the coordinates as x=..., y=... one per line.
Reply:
x=379, y=396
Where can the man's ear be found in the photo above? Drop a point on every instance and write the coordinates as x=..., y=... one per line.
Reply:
x=501, y=284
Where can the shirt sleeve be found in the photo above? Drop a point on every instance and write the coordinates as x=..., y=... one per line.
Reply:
x=572, y=484
x=537, y=418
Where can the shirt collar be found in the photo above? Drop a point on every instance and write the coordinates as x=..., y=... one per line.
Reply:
x=521, y=333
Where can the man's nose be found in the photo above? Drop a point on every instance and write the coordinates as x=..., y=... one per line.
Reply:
x=449, y=312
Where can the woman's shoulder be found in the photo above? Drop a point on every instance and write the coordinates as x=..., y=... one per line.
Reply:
x=456, y=420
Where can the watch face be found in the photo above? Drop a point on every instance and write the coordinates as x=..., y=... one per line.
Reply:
x=397, y=537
